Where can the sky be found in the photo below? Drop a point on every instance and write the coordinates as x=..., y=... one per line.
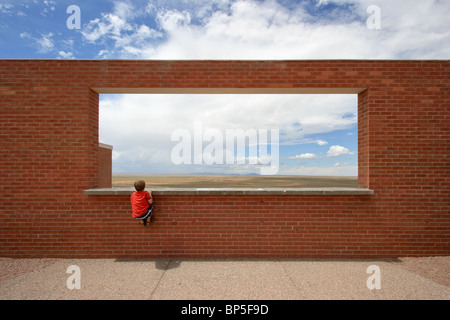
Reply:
x=315, y=134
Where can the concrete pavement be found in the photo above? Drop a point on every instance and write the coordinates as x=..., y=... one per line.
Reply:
x=216, y=279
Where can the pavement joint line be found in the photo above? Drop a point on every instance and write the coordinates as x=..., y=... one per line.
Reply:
x=160, y=278
x=297, y=288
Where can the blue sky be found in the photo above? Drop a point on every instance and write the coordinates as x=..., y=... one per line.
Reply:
x=318, y=134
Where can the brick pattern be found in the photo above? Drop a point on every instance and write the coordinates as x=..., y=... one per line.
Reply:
x=49, y=154
x=104, y=166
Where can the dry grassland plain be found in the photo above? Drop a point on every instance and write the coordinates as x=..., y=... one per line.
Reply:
x=232, y=181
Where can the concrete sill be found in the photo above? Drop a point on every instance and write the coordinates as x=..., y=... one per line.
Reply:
x=234, y=191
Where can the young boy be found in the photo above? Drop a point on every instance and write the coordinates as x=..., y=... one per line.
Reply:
x=141, y=203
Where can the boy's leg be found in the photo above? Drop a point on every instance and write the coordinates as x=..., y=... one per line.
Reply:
x=150, y=217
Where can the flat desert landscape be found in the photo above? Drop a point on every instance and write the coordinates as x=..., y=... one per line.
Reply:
x=232, y=181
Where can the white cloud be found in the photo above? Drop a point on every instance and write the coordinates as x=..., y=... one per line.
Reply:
x=321, y=142
x=124, y=10
x=305, y=156
x=6, y=8
x=65, y=55
x=336, y=151
x=44, y=44
x=102, y=54
x=50, y=3
x=130, y=40
x=173, y=19
x=49, y=6
x=110, y=25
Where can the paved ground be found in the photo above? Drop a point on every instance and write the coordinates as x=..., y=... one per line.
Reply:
x=237, y=279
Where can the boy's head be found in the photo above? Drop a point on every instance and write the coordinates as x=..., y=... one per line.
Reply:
x=139, y=185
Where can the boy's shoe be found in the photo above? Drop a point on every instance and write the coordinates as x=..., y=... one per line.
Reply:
x=150, y=219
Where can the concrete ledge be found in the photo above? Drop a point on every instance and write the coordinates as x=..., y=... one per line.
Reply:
x=234, y=191
x=105, y=146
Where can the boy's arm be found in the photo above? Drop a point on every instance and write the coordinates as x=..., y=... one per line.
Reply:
x=150, y=201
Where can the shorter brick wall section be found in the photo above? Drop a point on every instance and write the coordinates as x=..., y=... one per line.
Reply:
x=225, y=226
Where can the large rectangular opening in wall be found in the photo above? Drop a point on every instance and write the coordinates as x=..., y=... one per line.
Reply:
x=232, y=140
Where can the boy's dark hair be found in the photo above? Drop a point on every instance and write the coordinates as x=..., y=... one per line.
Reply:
x=139, y=185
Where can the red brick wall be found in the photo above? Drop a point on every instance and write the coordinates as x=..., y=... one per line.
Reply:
x=104, y=166
x=49, y=155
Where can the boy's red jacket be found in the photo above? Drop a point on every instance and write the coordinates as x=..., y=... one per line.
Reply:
x=139, y=203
